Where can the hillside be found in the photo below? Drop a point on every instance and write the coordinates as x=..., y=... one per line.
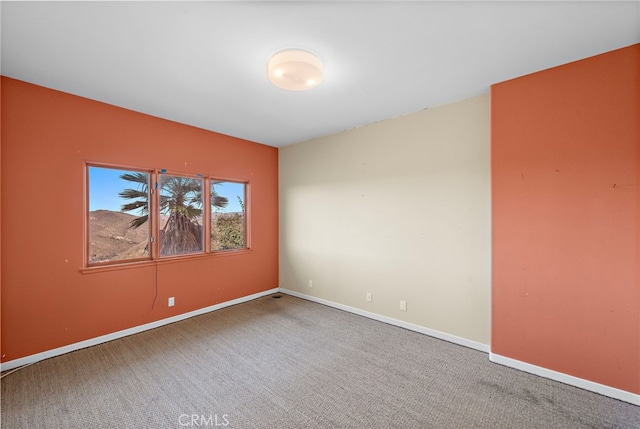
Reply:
x=111, y=239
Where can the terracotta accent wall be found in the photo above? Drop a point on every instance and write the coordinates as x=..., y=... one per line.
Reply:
x=566, y=225
x=47, y=136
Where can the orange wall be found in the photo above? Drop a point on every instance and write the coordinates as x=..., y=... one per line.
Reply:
x=47, y=136
x=566, y=225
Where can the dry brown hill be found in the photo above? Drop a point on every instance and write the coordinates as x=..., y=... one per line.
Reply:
x=111, y=239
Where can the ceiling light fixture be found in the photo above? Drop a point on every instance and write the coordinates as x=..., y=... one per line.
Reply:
x=295, y=70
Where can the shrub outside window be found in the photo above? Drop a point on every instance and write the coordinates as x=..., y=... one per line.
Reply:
x=228, y=215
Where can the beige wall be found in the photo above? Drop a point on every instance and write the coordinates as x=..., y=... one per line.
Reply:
x=401, y=209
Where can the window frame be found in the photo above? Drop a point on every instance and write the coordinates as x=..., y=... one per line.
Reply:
x=87, y=235
x=158, y=186
x=154, y=256
x=245, y=214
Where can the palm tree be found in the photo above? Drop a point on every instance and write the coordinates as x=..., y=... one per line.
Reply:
x=141, y=195
x=217, y=201
x=181, y=200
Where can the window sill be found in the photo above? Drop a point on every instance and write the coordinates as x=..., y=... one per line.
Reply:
x=162, y=261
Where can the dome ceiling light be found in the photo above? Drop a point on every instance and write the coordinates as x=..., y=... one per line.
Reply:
x=295, y=70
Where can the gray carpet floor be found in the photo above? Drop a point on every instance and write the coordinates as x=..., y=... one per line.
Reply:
x=290, y=363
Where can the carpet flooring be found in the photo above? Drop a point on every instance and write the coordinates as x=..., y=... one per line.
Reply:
x=290, y=363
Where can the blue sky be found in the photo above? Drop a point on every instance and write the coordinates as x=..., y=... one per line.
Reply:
x=105, y=184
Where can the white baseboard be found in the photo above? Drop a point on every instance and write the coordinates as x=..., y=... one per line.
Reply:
x=410, y=326
x=611, y=392
x=602, y=389
x=27, y=360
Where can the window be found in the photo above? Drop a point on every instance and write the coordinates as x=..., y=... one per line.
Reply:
x=117, y=227
x=227, y=216
x=181, y=204
x=144, y=215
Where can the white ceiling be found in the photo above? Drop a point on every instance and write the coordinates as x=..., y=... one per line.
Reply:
x=204, y=63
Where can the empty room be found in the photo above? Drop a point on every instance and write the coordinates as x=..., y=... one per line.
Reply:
x=302, y=214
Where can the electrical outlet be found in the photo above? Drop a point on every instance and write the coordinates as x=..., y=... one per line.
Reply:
x=403, y=305
x=369, y=296
x=310, y=283
x=172, y=301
